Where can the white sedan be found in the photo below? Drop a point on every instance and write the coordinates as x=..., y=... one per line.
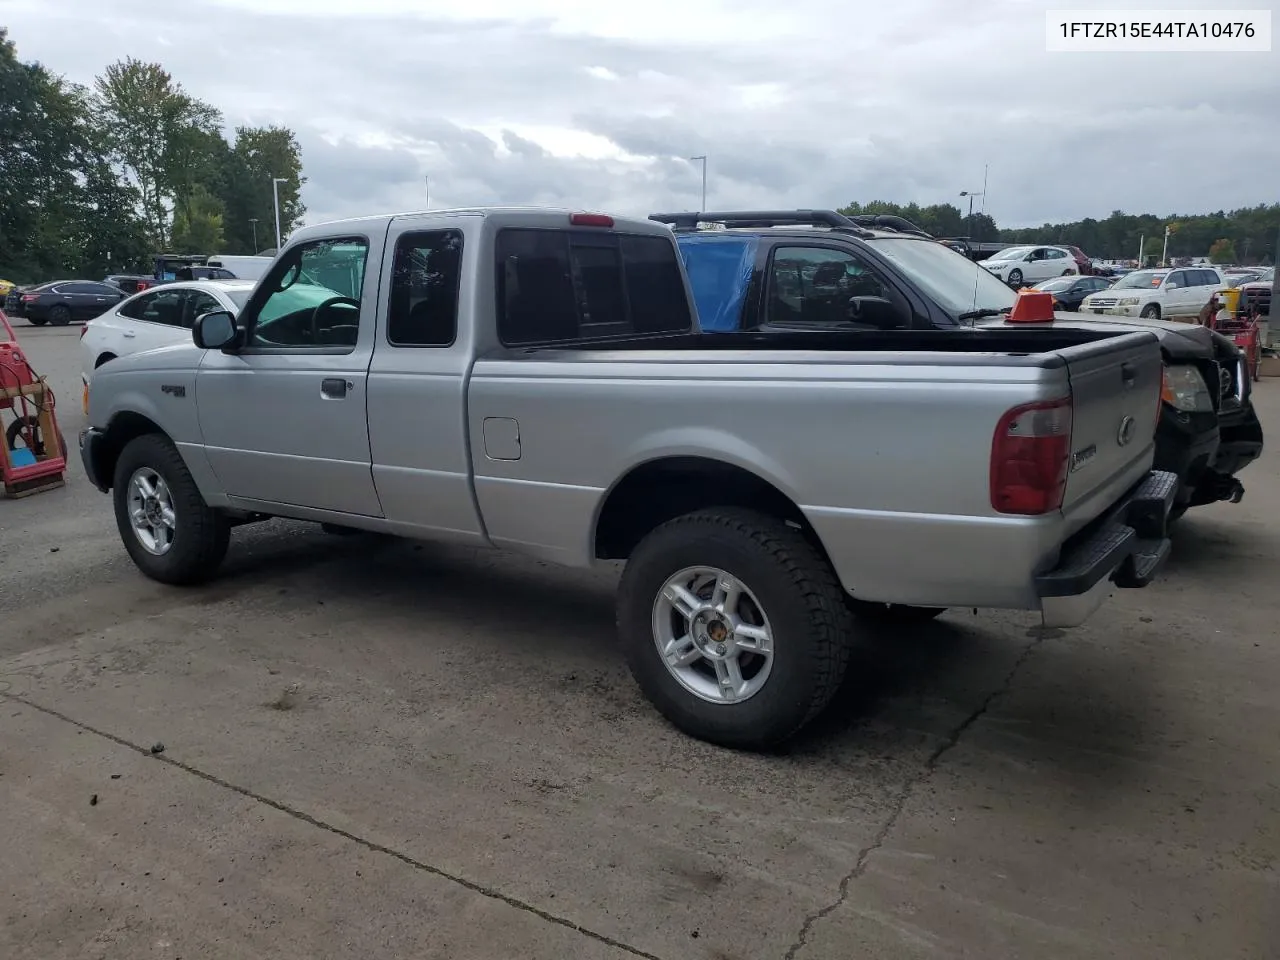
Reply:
x=1017, y=266
x=155, y=318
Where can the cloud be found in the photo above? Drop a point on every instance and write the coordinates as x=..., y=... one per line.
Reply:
x=595, y=105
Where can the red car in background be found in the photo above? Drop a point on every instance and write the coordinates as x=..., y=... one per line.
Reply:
x=1084, y=266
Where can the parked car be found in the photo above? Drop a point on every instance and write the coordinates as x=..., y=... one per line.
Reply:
x=244, y=268
x=457, y=381
x=1256, y=294
x=1084, y=264
x=155, y=318
x=1208, y=429
x=61, y=301
x=1020, y=265
x=1069, y=291
x=1156, y=294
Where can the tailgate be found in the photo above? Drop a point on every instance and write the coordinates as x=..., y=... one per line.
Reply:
x=1115, y=402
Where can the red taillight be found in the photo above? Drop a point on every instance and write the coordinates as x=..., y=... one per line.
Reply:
x=590, y=220
x=1029, y=457
x=83, y=331
x=29, y=297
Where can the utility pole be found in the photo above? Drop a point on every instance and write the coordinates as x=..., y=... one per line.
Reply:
x=703, y=159
x=971, y=194
x=275, y=194
x=254, y=221
x=1164, y=254
x=426, y=182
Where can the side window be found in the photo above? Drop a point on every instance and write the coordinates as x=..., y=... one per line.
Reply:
x=312, y=297
x=655, y=285
x=80, y=288
x=558, y=285
x=199, y=302
x=425, y=279
x=819, y=285
x=166, y=307
x=1037, y=254
x=1178, y=277
x=137, y=307
x=1209, y=278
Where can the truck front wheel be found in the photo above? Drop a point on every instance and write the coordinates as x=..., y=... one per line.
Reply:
x=170, y=532
x=734, y=626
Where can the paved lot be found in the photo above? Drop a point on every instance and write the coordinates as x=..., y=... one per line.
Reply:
x=376, y=750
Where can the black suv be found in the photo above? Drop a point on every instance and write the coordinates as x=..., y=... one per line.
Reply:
x=818, y=270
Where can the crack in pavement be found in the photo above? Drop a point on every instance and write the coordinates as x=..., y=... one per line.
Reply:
x=908, y=789
x=484, y=891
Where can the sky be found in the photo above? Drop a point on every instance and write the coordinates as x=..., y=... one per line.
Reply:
x=599, y=104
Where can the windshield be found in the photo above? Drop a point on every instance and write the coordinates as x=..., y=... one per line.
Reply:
x=1013, y=253
x=955, y=282
x=1268, y=275
x=1057, y=285
x=1139, y=278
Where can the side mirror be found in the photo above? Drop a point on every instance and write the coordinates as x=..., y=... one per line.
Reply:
x=875, y=312
x=1171, y=286
x=214, y=330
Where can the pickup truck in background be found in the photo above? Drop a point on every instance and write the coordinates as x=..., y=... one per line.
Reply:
x=532, y=380
x=818, y=270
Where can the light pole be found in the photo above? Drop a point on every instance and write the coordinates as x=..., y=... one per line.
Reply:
x=703, y=160
x=426, y=183
x=1164, y=254
x=254, y=221
x=275, y=194
x=971, y=194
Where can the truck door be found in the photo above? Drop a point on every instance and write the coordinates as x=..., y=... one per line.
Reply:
x=418, y=435
x=284, y=416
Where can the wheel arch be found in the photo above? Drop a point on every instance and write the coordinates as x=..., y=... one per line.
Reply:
x=123, y=427
x=662, y=488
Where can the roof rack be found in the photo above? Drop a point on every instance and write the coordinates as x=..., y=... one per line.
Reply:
x=683, y=222
x=755, y=218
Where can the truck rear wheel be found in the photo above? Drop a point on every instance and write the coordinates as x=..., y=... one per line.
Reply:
x=734, y=626
x=170, y=532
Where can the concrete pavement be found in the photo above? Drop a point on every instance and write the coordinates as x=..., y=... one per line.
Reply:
x=382, y=749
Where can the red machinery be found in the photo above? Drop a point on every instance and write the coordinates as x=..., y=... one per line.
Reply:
x=29, y=462
x=1243, y=329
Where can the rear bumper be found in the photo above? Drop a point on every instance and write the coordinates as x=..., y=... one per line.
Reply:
x=1124, y=548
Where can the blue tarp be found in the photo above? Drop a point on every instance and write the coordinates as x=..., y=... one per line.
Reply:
x=719, y=269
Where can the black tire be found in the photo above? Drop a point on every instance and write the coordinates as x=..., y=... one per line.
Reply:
x=201, y=534
x=797, y=591
x=893, y=614
x=15, y=432
x=37, y=321
x=1015, y=278
x=59, y=315
x=1150, y=312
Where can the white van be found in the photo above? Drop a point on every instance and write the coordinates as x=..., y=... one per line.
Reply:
x=245, y=268
x=1157, y=294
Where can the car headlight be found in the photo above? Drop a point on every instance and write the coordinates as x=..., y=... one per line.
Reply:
x=1127, y=302
x=1185, y=390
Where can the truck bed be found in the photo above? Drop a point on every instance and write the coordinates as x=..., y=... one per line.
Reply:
x=1016, y=347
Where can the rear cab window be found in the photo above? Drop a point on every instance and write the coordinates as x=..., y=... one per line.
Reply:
x=585, y=284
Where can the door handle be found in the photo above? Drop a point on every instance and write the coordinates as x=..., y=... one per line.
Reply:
x=129, y=334
x=334, y=388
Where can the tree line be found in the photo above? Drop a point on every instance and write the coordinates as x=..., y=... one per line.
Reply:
x=96, y=180
x=1248, y=235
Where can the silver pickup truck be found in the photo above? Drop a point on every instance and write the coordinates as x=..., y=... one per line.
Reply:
x=530, y=380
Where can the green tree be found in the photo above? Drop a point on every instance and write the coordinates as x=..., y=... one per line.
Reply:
x=259, y=155
x=197, y=224
x=156, y=130
x=63, y=211
x=1222, y=251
